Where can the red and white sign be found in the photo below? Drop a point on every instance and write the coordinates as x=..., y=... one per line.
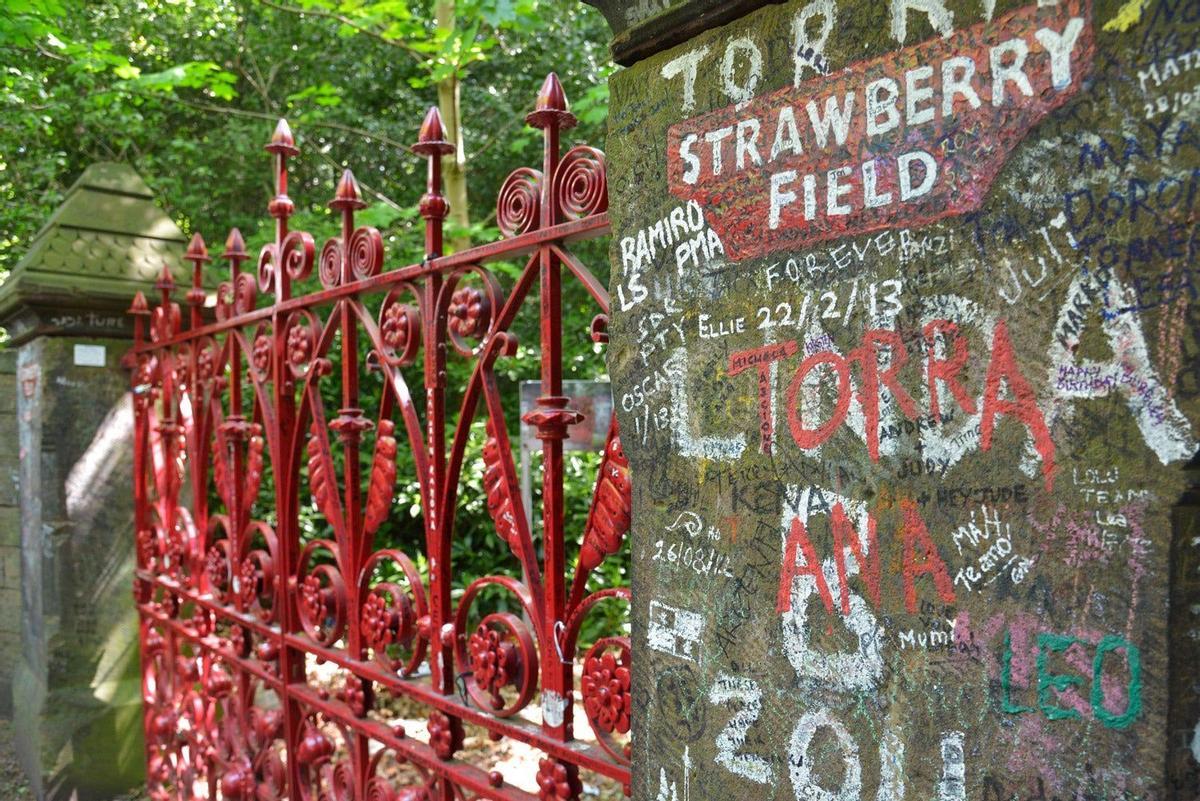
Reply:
x=904, y=139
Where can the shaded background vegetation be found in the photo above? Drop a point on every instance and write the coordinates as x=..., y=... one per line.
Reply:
x=187, y=92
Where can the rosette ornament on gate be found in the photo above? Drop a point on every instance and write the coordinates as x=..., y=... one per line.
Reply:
x=266, y=400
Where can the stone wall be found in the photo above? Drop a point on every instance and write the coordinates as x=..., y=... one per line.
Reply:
x=10, y=530
x=905, y=347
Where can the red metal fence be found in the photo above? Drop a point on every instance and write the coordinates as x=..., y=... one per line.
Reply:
x=236, y=609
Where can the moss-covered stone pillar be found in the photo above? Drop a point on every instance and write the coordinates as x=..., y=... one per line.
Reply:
x=905, y=349
x=76, y=692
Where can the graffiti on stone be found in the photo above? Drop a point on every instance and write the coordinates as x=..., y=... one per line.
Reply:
x=904, y=347
x=774, y=170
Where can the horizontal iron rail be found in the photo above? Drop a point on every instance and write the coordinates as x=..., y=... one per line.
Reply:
x=573, y=231
x=588, y=756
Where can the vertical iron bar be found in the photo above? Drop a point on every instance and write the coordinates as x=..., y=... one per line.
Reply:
x=432, y=144
x=236, y=430
x=350, y=426
x=291, y=662
x=197, y=254
x=552, y=418
x=350, y=423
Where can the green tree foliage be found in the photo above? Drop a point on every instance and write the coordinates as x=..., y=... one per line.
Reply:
x=187, y=91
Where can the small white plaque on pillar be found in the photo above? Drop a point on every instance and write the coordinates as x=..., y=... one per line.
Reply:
x=89, y=355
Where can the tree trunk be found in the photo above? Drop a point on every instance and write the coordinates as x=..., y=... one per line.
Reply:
x=454, y=165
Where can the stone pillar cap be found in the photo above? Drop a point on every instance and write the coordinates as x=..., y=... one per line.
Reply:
x=642, y=28
x=104, y=242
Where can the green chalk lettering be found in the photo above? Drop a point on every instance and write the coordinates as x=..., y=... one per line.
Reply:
x=1048, y=643
x=1133, y=707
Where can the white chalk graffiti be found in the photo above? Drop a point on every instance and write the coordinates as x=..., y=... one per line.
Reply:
x=891, y=767
x=1045, y=269
x=953, y=785
x=941, y=19
x=805, y=783
x=686, y=65
x=688, y=444
x=674, y=631
x=554, y=707
x=693, y=525
x=1163, y=427
x=808, y=51
x=861, y=669
x=733, y=737
x=742, y=92
x=669, y=790
x=801, y=768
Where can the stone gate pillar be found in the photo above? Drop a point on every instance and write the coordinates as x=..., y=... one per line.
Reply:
x=906, y=358
x=10, y=531
x=76, y=692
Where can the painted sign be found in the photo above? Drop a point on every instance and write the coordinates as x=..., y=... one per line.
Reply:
x=904, y=139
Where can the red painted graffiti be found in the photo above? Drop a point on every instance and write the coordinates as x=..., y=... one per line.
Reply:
x=904, y=139
x=1006, y=390
x=914, y=536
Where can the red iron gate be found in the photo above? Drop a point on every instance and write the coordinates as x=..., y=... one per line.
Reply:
x=236, y=602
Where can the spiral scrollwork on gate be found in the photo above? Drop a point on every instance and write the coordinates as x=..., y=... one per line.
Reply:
x=293, y=257
x=581, y=183
x=353, y=257
x=303, y=455
x=520, y=202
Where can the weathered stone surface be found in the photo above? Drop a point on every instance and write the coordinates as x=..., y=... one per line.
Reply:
x=107, y=240
x=10, y=530
x=77, y=693
x=644, y=27
x=905, y=451
x=69, y=640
